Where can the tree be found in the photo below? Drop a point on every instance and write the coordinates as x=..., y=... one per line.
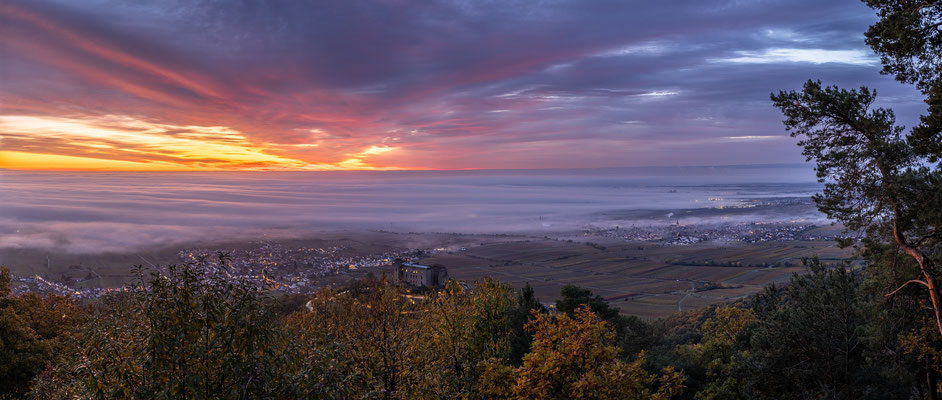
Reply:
x=575, y=358
x=883, y=185
x=574, y=297
x=807, y=341
x=178, y=334
x=522, y=314
x=811, y=338
x=324, y=354
x=908, y=39
x=902, y=337
x=34, y=329
x=720, y=352
x=631, y=333
x=875, y=183
x=369, y=333
x=6, y=282
x=461, y=330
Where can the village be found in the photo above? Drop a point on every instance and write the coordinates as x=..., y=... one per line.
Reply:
x=746, y=232
x=301, y=269
x=272, y=265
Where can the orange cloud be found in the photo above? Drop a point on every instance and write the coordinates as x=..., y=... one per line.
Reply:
x=96, y=143
x=37, y=161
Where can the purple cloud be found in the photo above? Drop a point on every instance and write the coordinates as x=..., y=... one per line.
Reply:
x=424, y=84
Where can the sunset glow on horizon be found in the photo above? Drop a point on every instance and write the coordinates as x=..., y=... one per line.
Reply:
x=121, y=143
x=201, y=86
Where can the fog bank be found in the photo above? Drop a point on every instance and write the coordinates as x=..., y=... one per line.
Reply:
x=107, y=211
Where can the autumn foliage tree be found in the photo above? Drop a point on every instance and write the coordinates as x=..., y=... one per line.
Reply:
x=182, y=332
x=720, y=352
x=177, y=334
x=34, y=329
x=463, y=330
x=360, y=342
x=575, y=358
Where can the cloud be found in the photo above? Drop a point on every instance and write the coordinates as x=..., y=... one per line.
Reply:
x=814, y=56
x=189, y=147
x=316, y=85
x=658, y=93
x=754, y=137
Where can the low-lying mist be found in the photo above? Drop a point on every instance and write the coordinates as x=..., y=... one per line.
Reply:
x=92, y=212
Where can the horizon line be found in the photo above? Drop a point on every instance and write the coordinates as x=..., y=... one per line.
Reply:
x=753, y=165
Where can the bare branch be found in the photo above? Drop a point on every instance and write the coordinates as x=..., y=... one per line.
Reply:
x=904, y=285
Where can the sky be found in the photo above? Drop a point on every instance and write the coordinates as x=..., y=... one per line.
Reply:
x=425, y=84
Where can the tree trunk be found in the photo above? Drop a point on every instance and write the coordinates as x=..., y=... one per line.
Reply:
x=934, y=295
x=925, y=266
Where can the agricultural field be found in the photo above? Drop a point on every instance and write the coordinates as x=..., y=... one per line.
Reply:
x=644, y=279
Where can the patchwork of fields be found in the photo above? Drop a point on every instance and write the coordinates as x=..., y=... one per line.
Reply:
x=642, y=279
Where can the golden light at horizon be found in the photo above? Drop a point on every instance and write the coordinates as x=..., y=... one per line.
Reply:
x=37, y=161
x=99, y=143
